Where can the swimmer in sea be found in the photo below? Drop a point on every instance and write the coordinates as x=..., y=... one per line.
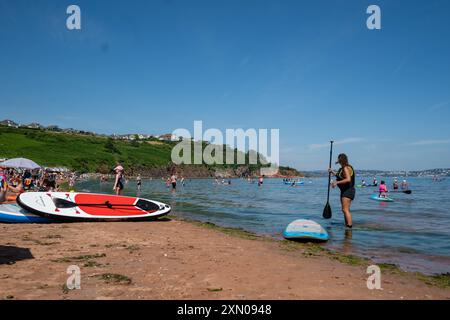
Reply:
x=139, y=183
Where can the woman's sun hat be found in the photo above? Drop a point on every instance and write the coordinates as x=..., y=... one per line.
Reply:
x=118, y=168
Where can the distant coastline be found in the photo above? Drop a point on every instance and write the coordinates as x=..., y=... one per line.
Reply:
x=440, y=172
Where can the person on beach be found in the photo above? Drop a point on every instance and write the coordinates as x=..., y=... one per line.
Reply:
x=10, y=191
x=3, y=185
x=383, y=190
x=16, y=185
x=72, y=180
x=345, y=180
x=27, y=180
x=139, y=183
x=118, y=182
x=51, y=182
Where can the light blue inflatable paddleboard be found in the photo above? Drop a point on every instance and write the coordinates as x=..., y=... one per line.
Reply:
x=292, y=182
x=383, y=199
x=303, y=229
x=12, y=213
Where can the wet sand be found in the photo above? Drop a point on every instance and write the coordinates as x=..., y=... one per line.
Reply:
x=179, y=260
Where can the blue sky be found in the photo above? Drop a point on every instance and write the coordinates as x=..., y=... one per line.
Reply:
x=310, y=68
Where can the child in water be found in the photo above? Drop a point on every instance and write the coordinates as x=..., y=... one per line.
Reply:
x=383, y=190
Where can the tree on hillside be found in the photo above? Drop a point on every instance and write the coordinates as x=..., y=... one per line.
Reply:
x=111, y=147
x=135, y=142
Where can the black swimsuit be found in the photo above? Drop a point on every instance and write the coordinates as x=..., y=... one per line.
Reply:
x=348, y=189
x=120, y=183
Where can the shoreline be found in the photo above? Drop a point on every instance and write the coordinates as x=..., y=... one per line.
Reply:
x=110, y=177
x=177, y=258
x=441, y=280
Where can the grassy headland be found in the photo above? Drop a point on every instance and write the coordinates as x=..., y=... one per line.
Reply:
x=93, y=153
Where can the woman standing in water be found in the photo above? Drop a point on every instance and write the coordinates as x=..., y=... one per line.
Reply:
x=173, y=181
x=138, y=183
x=345, y=180
x=118, y=182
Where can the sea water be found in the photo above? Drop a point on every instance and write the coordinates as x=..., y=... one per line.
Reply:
x=412, y=232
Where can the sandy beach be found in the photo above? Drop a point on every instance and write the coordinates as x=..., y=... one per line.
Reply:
x=174, y=259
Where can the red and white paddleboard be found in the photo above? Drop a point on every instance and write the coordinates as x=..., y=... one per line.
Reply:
x=90, y=206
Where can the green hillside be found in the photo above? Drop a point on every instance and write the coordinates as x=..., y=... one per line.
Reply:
x=90, y=153
x=80, y=152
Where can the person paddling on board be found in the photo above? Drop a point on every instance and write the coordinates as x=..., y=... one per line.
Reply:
x=404, y=185
x=118, y=182
x=383, y=190
x=345, y=180
x=375, y=182
x=363, y=183
x=395, y=185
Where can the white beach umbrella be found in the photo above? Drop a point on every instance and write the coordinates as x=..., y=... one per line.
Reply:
x=21, y=163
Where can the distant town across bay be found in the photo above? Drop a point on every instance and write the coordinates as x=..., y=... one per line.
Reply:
x=397, y=173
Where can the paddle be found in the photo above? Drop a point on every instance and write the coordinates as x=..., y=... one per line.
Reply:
x=404, y=191
x=65, y=204
x=327, y=210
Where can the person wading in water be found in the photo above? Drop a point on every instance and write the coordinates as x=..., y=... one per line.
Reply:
x=118, y=182
x=345, y=180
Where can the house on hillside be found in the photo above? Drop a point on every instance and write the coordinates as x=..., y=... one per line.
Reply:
x=53, y=128
x=9, y=123
x=168, y=137
x=34, y=125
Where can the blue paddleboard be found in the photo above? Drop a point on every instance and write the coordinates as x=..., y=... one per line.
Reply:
x=303, y=229
x=12, y=213
x=383, y=199
x=292, y=182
